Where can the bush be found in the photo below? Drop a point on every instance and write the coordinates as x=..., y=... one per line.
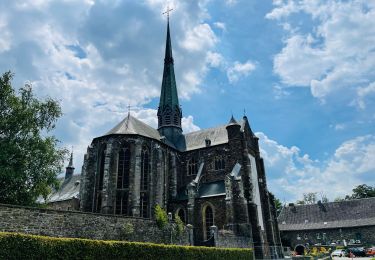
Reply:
x=161, y=217
x=180, y=227
x=21, y=246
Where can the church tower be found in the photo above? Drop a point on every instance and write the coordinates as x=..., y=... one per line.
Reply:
x=169, y=111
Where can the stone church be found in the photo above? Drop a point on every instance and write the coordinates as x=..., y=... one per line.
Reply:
x=211, y=177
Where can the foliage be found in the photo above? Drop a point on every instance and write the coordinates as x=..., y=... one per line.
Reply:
x=180, y=226
x=161, y=217
x=277, y=202
x=29, y=159
x=127, y=229
x=20, y=246
x=363, y=191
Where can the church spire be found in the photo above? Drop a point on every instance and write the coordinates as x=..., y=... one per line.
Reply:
x=169, y=111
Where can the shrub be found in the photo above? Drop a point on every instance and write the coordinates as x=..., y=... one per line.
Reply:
x=161, y=217
x=21, y=246
x=180, y=226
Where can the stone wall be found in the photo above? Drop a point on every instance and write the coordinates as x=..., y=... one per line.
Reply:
x=328, y=236
x=59, y=223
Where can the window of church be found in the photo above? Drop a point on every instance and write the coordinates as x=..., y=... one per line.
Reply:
x=145, y=168
x=123, y=168
x=168, y=119
x=122, y=203
x=181, y=214
x=209, y=220
x=219, y=163
x=101, y=170
x=99, y=182
x=192, y=167
x=144, y=212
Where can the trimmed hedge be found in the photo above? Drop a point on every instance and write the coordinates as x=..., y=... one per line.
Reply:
x=22, y=246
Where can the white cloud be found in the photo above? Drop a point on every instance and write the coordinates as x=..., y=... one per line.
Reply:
x=220, y=25
x=215, y=59
x=98, y=58
x=336, y=55
x=198, y=38
x=291, y=173
x=238, y=70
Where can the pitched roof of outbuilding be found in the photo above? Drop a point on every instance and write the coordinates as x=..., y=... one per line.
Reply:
x=349, y=213
x=69, y=189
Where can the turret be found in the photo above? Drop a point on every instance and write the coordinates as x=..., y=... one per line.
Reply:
x=70, y=169
x=233, y=129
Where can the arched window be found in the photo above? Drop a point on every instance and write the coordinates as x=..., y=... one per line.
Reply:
x=144, y=212
x=123, y=168
x=100, y=181
x=192, y=167
x=145, y=173
x=181, y=213
x=123, y=172
x=219, y=163
x=208, y=221
x=145, y=168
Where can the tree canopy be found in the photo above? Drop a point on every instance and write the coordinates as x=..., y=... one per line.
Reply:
x=29, y=158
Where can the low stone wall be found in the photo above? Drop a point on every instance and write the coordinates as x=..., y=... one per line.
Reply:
x=60, y=223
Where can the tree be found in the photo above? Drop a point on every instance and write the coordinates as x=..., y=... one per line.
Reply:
x=363, y=191
x=29, y=159
x=277, y=202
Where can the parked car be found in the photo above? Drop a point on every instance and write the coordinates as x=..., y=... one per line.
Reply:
x=338, y=252
x=357, y=251
x=370, y=251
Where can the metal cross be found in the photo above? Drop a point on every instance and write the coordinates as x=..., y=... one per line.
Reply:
x=129, y=109
x=168, y=11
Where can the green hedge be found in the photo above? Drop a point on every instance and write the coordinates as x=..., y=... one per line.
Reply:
x=22, y=246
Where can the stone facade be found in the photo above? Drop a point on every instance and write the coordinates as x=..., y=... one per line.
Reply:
x=212, y=177
x=361, y=235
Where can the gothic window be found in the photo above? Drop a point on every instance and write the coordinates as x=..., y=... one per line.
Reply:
x=123, y=168
x=208, y=221
x=145, y=169
x=219, y=163
x=144, y=212
x=181, y=214
x=122, y=203
x=99, y=181
x=192, y=167
x=101, y=170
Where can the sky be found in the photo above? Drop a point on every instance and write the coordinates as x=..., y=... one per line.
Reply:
x=302, y=71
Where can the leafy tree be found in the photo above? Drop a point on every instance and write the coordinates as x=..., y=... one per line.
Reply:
x=277, y=202
x=29, y=159
x=363, y=191
x=180, y=226
x=161, y=217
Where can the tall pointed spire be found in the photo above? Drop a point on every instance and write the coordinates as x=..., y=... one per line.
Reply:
x=169, y=111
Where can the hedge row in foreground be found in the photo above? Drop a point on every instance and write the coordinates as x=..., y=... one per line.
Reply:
x=21, y=246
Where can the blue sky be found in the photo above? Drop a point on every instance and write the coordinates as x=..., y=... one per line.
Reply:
x=302, y=70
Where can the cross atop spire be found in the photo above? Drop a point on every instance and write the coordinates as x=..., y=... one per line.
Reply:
x=168, y=11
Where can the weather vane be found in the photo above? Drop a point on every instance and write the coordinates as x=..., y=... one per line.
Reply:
x=168, y=11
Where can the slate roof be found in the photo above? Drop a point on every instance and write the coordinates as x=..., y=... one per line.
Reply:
x=194, y=140
x=69, y=189
x=205, y=190
x=211, y=189
x=197, y=139
x=132, y=126
x=350, y=213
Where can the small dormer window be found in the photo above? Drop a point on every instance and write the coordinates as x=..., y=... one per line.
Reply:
x=208, y=142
